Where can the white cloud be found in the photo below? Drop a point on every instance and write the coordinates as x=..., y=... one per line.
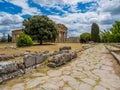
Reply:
x=10, y=22
x=107, y=12
x=112, y=6
x=61, y=2
x=25, y=7
x=77, y=23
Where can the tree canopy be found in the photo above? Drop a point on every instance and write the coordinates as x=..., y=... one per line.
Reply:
x=95, y=33
x=85, y=37
x=41, y=28
x=113, y=35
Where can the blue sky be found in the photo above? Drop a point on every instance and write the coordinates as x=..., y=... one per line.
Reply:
x=77, y=15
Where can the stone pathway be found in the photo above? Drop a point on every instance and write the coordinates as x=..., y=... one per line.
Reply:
x=92, y=70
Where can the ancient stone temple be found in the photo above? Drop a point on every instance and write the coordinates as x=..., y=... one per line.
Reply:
x=62, y=36
x=16, y=34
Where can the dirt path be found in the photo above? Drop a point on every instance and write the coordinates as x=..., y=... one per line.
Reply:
x=94, y=69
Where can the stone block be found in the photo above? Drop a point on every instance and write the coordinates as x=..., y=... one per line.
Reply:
x=64, y=51
x=65, y=48
x=45, y=52
x=29, y=61
x=26, y=53
x=16, y=55
x=11, y=75
x=39, y=58
x=20, y=65
x=53, y=65
x=61, y=59
x=55, y=53
x=74, y=54
x=7, y=67
x=4, y=57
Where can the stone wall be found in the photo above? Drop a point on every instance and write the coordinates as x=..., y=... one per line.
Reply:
x=114, y=53
x=61, y=59
x=73, y=40
x=11, y=69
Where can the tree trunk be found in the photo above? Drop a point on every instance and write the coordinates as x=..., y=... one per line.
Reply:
x=40, y=42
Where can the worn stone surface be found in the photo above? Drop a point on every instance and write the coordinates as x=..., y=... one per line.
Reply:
x=53, y=73
x=35, y=82
x=18, y=86
x=29, y=61
x=7, y=67
x=99, y=88
x=49, y=86
x=92, y=70
x=39, y=58
x=89, y=81
x=61, y=59
x=84, y=86
x=38, y=74
x=67, y=88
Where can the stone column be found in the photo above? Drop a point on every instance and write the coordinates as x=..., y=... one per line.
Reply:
x=63, y=37
x=14, y=38
x=60, y=36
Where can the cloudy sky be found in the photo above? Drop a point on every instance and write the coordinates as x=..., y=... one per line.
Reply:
x=77, y=15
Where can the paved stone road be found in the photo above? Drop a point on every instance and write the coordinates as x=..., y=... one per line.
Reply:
x=92, y=70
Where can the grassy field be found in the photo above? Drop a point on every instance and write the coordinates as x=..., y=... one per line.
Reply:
x=41, y=69
x=49, y=47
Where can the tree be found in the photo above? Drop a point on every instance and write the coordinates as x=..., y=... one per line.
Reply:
x=95, y=33
x=85, y=37
x=24, y=40
x=41, y=28
x=3, y=38
x=9, y=38
x=113, y=35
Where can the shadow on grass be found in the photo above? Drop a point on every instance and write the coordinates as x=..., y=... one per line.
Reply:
x=44, y=44
x=37, y=44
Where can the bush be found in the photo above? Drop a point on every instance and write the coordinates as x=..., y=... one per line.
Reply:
x=24, y=40
x=85, y=37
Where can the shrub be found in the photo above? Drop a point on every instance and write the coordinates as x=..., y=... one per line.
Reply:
x=24, y=40
x=85, y=37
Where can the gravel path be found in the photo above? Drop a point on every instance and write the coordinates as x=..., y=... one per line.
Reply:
x=94, y=69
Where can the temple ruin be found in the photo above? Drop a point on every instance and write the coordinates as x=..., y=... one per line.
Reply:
x=62, y=35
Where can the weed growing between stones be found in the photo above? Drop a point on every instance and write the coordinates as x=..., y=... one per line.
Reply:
x=41, y=71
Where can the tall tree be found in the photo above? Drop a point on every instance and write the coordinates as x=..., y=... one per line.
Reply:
x=95, y=33
x=9, y=38
x=41, y=28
